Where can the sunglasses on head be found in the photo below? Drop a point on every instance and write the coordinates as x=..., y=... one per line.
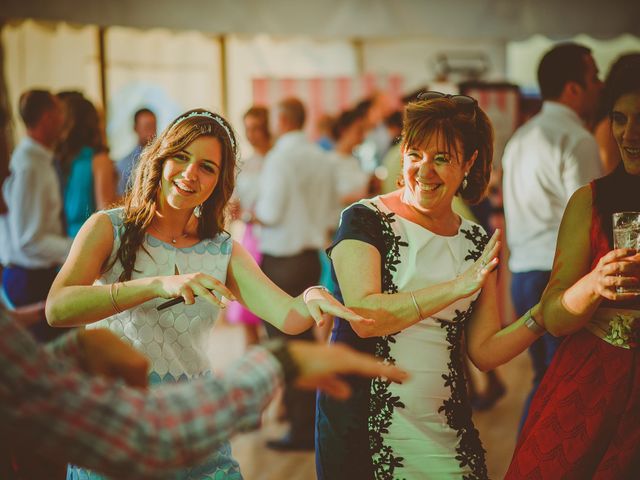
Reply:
x=464, y=101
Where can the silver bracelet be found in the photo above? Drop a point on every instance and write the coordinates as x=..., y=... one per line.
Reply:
x=313, y=287
x=113, y=297
x=532, y=325
x=415, y=304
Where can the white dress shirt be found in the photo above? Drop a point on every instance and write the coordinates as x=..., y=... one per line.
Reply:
x=545, y=162
x=31, y=232
x=297, y=198
x=248, y=181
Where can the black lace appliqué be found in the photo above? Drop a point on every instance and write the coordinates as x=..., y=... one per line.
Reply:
x=381, y=402
x=479, y=240
x=457, y=408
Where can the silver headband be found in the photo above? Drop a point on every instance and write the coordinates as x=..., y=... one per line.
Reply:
x=213, y=117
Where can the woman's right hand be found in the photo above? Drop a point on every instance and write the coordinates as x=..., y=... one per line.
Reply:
x=190, y=285
x=472, y=279
x=618, y=268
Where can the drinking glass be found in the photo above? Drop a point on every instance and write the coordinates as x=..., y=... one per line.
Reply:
x=626, y=234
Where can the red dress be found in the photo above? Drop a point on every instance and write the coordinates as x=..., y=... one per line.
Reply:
x=584, y=421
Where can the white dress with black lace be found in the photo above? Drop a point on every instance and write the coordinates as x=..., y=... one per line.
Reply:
x=421, y=429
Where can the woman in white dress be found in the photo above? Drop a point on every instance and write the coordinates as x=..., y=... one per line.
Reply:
x=427, y=276
x=168, y=242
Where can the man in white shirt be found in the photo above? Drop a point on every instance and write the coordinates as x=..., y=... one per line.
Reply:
x=544, y=163
x=31, y=232
x=295, y=205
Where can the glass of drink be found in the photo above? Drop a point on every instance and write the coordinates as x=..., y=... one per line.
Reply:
x=626, y=234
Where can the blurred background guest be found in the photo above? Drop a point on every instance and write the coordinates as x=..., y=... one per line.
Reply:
x=256, y=128
x=33, y=241
x=544, y=162
x=145, y=126
x=89, y=176
x=295, y=208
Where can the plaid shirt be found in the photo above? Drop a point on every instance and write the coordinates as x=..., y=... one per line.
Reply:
x=48, y=405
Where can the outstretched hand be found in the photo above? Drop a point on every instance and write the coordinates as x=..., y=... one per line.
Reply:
x=321, y=304
x=474, y=277
x=320, y=367
x=106, y=355
x=616, y=271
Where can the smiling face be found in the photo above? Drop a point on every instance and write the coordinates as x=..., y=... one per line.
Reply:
x=190, y=176
x=433, y=173
x=625, y=125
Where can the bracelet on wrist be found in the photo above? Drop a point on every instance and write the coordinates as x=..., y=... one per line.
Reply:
x=531, y=324
x=313, y=287
x=280, y=350
x=113, y=296
x=415, y=304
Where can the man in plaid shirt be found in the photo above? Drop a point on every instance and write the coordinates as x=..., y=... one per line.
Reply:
x=50, y=405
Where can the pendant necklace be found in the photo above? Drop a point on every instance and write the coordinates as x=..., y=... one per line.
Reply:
x=173, y=239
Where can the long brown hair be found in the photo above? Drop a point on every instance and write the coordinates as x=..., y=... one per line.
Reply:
x=472, y=128
x=81, y=128
x=140, y=200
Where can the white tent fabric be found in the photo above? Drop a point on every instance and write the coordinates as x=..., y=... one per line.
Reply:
x=495, y=19
x=166, y=71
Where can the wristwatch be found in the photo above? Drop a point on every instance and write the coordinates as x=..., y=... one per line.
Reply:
x=532, y=325
x=280, y=350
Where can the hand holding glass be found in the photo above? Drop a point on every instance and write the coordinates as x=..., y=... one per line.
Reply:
x=626, y=234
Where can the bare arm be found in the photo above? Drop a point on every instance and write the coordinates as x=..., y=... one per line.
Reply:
x=574, y=291
x=489, y=345
x=259, y=294
x=357, y=266
x=74, y=300
x=104, y=180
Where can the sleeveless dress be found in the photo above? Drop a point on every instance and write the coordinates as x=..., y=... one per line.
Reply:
x=175, y=339
x=79, y=194
x=423, y=428
x=584, y=421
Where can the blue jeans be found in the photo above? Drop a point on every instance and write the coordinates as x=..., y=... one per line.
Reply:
x=526, y=290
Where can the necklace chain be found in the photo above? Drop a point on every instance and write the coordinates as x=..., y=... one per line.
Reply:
x=173, y=239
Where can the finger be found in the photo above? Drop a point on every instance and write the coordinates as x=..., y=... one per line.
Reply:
x=620, y=281
x=617, y=254
x=213, y=283
x=492, y=241
x=188, y=295
x=316, y=313
x=206, y=294
x=335, y=387
x=343, y=312
x=490, y=267
x=368, y=366
x=134, y=371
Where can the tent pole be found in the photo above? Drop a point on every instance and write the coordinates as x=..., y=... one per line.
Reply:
x=222, y=40
x=102, y=62
x=358, y=47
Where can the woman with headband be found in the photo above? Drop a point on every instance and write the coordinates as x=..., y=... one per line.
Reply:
x=166, y=242
x=427, y=276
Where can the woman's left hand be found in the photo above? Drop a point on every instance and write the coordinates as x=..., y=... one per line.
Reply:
x=472, y=279
x=321, y=304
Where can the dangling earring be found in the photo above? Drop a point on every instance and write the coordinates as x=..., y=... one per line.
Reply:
x=465, y=182
x=198, y=211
